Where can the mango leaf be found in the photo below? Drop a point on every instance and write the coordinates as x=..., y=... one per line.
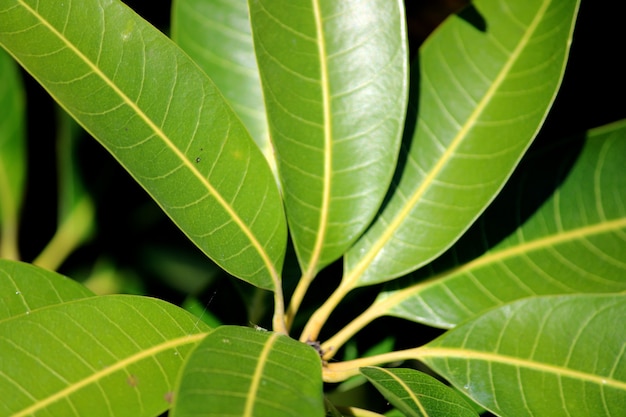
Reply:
x=98, y=356
x=145, y=100
x=216, y=34
x=417, y=394
x=12, y=155
x=541, y=356
x=239, y=371
x=574, y=242
x=24, y=288
x=482, y=86
x=334, y=76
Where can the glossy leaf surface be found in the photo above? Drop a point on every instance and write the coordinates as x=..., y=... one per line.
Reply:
x=334, y=76
x=216, y=35
x=162, y=118
x=12, y=154
x=97, y=356
x=238, y=371
x=417, y=394
x=24, y=288
x=482, y=86
x=545, y=356
x=573, y=242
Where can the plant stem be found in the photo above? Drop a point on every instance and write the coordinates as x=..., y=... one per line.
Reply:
x=332, y=345
x=74, y=229
x=374, y=311
x=340, y=371
x=8, y=242
x=278, y=321
x=356, y=412
x=298, y=296
x=9, y=247
x=316, y=321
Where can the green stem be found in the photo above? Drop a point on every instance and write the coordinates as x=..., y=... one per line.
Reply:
x=71, y=233
x=8, y=241
x=332, y=345
x=318, y=319
x=9, y=247
x=298, y=296
x=278, y=321
x=340, y=371
x=356, y=412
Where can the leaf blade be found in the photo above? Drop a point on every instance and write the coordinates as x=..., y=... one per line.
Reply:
x=139, y=95
x=572, y=364
x=417, y=394
x=246, y=372
x=445, y=183
x=25, y=288
x=572, y=243
x=334, y=76
x=103, y=356
x=217, y=36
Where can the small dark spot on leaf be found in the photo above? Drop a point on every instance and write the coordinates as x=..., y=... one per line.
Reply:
x=197, y=159
x=169, y=397
x=132, y=380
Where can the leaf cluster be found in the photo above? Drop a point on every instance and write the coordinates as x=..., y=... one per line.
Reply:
x=289, y=141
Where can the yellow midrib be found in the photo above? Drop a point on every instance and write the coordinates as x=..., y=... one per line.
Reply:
x=502, y=255
x=118, y=366
x=252, y=397
x=320, y=238
x=469, y=355
x=159, y=133
x=398, y=220
x=407, y=390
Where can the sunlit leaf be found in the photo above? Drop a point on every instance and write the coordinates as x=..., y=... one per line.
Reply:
x=418, y=394
x=24, y=288
x=149, y=104
x=482, y=86
x=216, y=34
x=238, y=371
x=12, y=155
x=545, y=356
x=574, y=242
x=97, y=356
x=334, y=76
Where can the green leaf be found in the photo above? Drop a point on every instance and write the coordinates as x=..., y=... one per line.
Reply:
x=542, y=356
x=97, y=356
x=334, y=76
x=574, y=242
x=417, y=394
x=163, y=119
x=482, y=86
x=25, y=288
x=12, y=155
x=239, y=371
x=216, y=34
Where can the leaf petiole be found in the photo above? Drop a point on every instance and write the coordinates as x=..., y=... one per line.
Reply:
x=340, y=371
x=298, y=296
x=318, y=318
